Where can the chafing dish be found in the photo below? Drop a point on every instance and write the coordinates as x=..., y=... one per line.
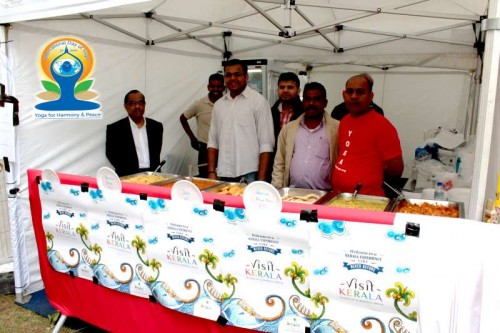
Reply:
x=361, y=201
x=148, y=177
x=235, y=189
x=301, y=195
x=201, y=183
x=429, y=207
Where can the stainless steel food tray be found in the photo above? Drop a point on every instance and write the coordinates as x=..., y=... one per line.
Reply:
x=300, y=192
x=164, y=177
x=201, y=183
x=217, y=188
x=328, y=200
x=396, y=205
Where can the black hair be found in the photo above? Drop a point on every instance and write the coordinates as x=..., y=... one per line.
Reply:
x=135, y=91
x=289, y=76
x=234, y=62
x=216, y=77
x=315, y=86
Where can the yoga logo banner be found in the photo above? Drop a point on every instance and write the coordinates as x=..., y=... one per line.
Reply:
x=66, y=64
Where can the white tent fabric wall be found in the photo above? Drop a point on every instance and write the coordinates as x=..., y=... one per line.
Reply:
x=413, y=100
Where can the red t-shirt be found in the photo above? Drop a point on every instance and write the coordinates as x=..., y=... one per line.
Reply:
x=364, y=143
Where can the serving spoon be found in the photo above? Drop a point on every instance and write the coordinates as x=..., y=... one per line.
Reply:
x=356, y=190
x=162, y=163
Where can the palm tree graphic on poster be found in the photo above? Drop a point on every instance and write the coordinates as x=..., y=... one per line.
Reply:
x=92, y=254
x=210, y=260
x=164, y=293
x=95, y=248
x=402, y=294
x=299, y=274
x=140, y=246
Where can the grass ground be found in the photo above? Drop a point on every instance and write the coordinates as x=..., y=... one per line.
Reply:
x=16, y=319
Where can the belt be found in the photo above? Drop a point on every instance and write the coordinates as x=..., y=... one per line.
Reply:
x=231, y=179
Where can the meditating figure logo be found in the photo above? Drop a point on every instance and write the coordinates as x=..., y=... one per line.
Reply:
x=66, y=63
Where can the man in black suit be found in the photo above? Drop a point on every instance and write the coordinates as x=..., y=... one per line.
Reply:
x=133, y=144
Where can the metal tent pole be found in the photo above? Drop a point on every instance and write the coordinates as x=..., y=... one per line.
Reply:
x=60, y=323
x=487, y=105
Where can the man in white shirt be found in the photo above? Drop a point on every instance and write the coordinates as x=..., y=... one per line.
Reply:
x=241, y=137
x=133, y=144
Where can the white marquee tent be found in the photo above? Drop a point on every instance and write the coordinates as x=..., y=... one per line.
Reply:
x=435, y=63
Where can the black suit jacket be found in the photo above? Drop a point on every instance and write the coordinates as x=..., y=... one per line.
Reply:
x=120, y=147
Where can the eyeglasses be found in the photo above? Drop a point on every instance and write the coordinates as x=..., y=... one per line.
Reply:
x=230, y=75
x=138, y=103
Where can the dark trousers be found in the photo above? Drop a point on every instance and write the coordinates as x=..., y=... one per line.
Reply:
x=202, y=159
x=249, y=177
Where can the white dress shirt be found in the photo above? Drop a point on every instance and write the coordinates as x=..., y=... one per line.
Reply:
x=141, y=143
x=241, y=129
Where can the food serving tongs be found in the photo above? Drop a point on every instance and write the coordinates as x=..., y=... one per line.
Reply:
x=396, y=200
x=191, y=169
x=399, y=193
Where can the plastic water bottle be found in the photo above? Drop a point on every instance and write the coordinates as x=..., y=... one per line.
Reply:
x=439, y=191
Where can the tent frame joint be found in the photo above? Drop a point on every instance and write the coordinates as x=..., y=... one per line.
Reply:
x=288, y=33
x=490, y=24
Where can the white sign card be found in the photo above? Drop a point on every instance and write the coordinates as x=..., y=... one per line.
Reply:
x=180, y=261
x=269, y=267
x=64, y=212
x=365, y=276
x=116, y=220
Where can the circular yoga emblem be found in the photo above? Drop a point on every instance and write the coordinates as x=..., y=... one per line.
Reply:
x=66, y=64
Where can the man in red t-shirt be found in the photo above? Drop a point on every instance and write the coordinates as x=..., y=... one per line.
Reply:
x=369, y=146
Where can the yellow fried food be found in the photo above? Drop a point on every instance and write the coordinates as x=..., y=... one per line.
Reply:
x=309, y=198
x=144, y=179
x=236, y=190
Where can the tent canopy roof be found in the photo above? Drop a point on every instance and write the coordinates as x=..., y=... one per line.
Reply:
x=336, y=30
